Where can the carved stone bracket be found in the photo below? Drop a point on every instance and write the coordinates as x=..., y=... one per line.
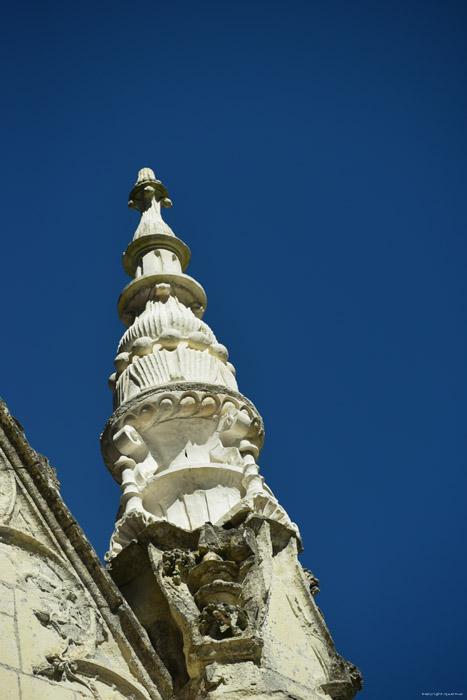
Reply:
x=232, y=594
x=216, y=592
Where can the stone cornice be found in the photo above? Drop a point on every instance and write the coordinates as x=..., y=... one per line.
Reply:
x=173, y=387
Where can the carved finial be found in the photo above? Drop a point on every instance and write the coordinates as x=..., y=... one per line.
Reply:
x=144, y=175
x=147, y=187
x=148, y=196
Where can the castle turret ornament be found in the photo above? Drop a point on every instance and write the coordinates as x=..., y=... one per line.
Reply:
x=202, y=549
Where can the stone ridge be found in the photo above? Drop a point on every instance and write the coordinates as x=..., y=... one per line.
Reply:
x=40, y=483
x=13, y=428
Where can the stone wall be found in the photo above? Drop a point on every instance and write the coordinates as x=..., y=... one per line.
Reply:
x=65, y=631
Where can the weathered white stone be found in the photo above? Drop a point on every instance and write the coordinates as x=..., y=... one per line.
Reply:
x=203, y=551
x=187, y=457
x=9, y=683
x=243, y=606
x=34, y=687
x=59, y=639
x=201, y=445
x=10, y=654
x=7, y=600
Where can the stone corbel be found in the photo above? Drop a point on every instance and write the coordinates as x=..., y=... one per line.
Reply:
x=234, y=425
x=130, y=444
x=216, y=594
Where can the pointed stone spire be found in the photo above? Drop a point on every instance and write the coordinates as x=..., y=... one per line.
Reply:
x=202, y=550
x=170, y=367
x=166, y=339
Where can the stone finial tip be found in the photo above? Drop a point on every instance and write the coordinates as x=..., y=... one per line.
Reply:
x=146, y=188
x=144, y=175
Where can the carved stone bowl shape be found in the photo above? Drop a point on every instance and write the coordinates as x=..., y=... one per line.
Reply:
x=212, y=581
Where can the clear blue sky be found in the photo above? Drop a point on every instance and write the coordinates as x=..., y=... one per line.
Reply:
x=315, y=153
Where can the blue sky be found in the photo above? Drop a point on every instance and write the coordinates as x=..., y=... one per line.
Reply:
x=315, y=153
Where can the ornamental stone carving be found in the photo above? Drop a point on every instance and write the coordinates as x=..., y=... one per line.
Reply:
x=203, y=551
x=185, y=453
x=182, y=443
x=240, y=603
